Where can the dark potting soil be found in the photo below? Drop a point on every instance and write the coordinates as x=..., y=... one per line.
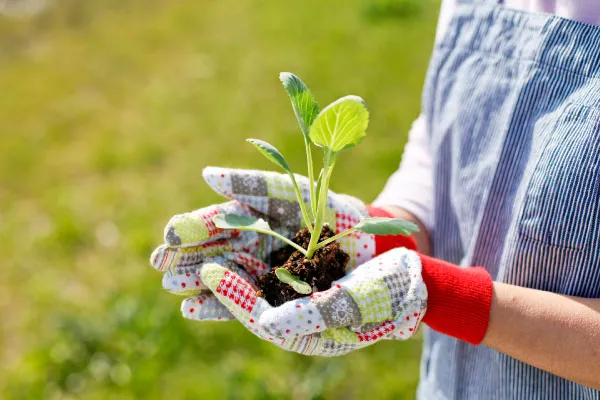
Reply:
x=327, y=265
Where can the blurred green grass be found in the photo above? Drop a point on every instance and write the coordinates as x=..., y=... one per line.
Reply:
x=110, y=110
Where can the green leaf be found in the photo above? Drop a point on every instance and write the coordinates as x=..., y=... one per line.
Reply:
x=242, y=222
x=303, y=102
x=298, y=285
x=386, y=226
x=341, y=125
x=269, y=151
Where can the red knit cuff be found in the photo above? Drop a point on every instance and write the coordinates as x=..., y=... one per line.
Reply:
x=458, y=299
x=388, y=242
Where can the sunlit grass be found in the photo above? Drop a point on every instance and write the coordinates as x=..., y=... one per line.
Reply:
x=110, y=110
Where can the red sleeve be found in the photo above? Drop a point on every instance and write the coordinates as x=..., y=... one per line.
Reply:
x=458, y=298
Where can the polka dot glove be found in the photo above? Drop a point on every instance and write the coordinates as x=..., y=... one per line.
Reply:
x=385, y=298
x=192, y=240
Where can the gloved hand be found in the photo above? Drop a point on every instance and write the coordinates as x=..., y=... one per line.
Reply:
x=383, y=298
x=191, y=239
x=199, y=259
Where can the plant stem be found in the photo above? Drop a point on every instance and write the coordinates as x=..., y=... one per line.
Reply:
x=322, y=206
x=334, y=238
x=305, y=214
x=311, y=178
x=278, y=236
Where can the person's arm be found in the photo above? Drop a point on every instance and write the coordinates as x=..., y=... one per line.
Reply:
x=559, y=334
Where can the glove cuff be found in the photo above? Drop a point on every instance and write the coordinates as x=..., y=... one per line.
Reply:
x=458, y=299
x=388, y=242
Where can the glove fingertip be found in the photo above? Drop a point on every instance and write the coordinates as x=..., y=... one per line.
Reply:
x=205, y=307
x=183, y=282
x=219, y=179
x=170, y=236
x=187, y=229
x=163, y=257
x=212, y=274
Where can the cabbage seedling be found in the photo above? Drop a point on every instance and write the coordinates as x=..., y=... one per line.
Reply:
x=338, y=127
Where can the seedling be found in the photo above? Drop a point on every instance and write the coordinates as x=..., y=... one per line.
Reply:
x=338, y=127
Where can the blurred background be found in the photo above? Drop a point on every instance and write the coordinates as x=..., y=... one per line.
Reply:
x=109, y=110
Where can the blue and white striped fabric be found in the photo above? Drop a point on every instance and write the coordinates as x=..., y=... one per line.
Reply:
x=512, y=102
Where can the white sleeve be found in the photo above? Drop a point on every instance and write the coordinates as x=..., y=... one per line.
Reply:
x=446, y=12
x=411, y=186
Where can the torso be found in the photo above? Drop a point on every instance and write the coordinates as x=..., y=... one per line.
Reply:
x=512, y=102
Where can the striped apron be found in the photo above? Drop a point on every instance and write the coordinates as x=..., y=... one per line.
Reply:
x=512, y=103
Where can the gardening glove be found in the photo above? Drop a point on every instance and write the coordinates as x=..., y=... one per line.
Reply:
x=191, y=239
x=383, y=297
x=199, y=259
